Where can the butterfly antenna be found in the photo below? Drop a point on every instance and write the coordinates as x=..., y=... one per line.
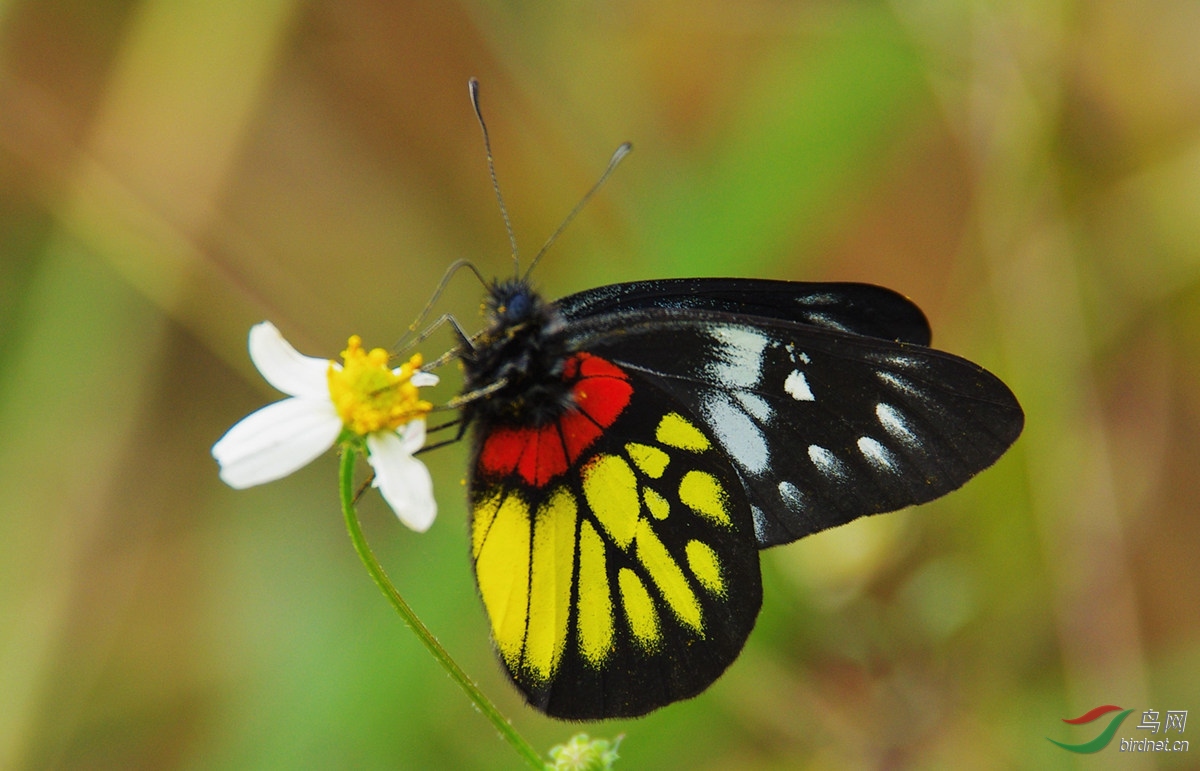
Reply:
x=473, y=85
x=617, y=157
x=455, y=266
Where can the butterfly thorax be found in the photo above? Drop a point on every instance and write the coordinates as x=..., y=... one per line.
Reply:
x=521, y=346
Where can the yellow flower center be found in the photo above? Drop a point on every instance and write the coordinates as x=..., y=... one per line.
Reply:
x=368, y=395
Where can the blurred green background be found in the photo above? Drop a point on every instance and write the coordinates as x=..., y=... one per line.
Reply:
x=172, y=171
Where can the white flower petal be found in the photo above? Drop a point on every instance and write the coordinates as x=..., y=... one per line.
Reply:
x=403, y=480
x=422, y=379
x=276, y=440
x=284, y=367
x=412, y=436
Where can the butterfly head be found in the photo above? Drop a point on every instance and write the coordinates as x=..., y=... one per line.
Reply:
x=511, y=304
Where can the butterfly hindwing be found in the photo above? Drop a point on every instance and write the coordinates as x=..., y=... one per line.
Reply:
x=614, y=550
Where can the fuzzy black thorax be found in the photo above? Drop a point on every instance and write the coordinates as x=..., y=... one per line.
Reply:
x=521, y=346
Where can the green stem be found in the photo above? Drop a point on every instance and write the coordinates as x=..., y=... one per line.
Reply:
x=510, y=735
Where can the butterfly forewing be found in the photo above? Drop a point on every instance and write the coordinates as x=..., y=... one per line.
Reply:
x=860, y=309
x=625, y=578
x=822, y=427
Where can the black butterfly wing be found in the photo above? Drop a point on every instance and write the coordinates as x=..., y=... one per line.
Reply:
x=862, y=309
x=822, y=426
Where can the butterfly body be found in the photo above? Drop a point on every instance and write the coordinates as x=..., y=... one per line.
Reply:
x=636, y=445
x=522, y=348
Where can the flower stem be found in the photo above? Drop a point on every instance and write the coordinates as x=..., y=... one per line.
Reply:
x=510, y=735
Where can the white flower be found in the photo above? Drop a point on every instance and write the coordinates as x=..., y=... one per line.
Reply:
x=363, y=396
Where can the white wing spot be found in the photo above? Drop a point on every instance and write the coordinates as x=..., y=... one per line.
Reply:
x=825, y=461
x=804, y=358
x=898, y=383
x=895, y=424
x=826, y=320
x=739, y=356
x=905, y=362
x=755, y=405
x=878, y=455
x=760, y=522
x=737, y=433
x=797, y=385
x=791, y=495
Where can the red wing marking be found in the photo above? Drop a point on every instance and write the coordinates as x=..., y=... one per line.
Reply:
x=578, y=432
x=502, y=450
x=591, y=365
x=543, y=457
x=602, y=397
x=601, y=391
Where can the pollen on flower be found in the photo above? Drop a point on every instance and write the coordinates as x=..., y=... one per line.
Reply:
x=369, y=395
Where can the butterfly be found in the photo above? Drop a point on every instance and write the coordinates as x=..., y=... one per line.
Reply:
x=635, y=446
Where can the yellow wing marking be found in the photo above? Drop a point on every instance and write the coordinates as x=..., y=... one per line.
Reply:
x=702, y=492
x=502, y=570
x=658, y=505
x=674, y=430
x=611, y=491
x=484, y=513
x=594, y=606
x=550, y=588
x=639, y=609
x=651, y=461
x=667, y=576
x=705, y=566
